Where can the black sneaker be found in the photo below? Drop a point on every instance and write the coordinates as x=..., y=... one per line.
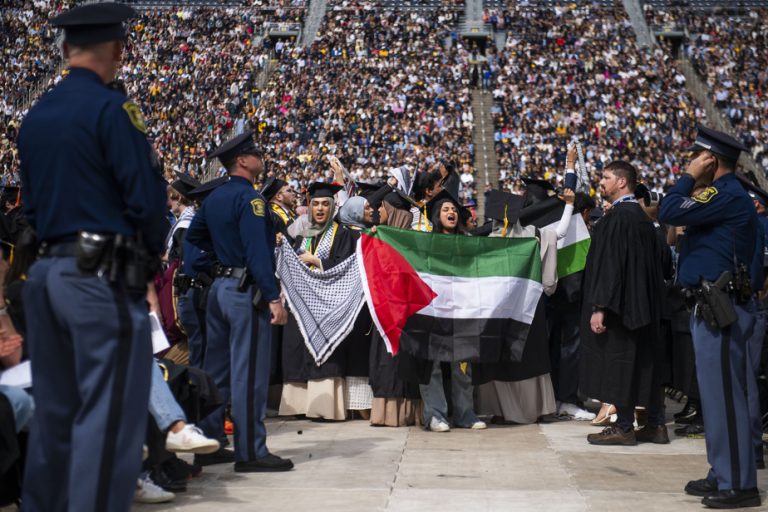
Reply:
x=703, y=487
x=162, y=479
x=690, y=419
x=267, y=464
x=221, y=456
x=179, y=469
x=689, y=410
x=693, y=431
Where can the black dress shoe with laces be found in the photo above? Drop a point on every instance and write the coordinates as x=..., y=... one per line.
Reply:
x=268, y=464
x=733, y=498
x=703, y=487
x=162, y=479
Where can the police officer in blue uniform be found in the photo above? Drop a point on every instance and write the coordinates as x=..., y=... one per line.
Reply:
x=94, y=195
x=244, y=300
x=192, y=283
x=722, y=236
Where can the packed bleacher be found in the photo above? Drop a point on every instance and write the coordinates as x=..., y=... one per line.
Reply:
x=380, y=89
x=576, y=72
x=193, y=70
x=731, y=53
x=28, y=58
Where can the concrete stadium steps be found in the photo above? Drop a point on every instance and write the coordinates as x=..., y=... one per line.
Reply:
x=486, y=165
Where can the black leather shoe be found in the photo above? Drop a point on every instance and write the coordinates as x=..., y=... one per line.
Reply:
x=694, y=431
x=703, y=487
x=221, y=456
x=733, y=498
x=267, y=464
x=613, y=435
x=652, y=434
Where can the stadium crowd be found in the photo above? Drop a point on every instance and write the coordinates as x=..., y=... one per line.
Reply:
x=378, y=89
x=731, y=54
x=576, y=72
x=28, y=56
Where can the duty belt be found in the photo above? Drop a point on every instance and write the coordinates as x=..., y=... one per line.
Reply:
x=236, y=272
x=58, y=250
x=183, y=283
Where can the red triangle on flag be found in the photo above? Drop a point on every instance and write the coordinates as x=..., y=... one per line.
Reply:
x=393, y=289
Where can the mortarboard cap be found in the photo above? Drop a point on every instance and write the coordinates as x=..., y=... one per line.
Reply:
x=184, y=184
x=501, y=204
x=718, y=143
x=595, y=213
x=444, y=195
x=201, y=192
x=754, y=191
x=272, y=187
x=538, y=188
x=322, y=189
x=94, y=23
x=241, y=145
x=366, y=189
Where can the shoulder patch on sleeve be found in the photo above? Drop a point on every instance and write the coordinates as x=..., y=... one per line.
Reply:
x=705, y=196
x=258, y=207
x=134, y=114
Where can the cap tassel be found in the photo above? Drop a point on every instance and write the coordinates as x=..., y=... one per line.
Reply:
x=506, y=223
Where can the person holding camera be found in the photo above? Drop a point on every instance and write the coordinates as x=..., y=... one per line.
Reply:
x=717, y=269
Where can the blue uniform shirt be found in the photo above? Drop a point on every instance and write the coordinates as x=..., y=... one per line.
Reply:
x=721, y=223
x=86, y=165
x=235, y=224
x=196, y=260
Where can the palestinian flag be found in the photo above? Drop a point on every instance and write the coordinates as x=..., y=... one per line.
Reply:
x=571, y=250
x=451, y=298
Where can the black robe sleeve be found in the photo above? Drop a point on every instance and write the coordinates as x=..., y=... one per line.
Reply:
x=623, y=272
x=343, y=247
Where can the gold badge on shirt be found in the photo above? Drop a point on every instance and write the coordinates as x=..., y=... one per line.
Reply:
x=258, y=207
x=134, y=114
x=706, y=195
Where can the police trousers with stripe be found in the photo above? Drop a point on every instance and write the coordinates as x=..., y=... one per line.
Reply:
x=237, y=357
x=726, y=374
x=91, y=355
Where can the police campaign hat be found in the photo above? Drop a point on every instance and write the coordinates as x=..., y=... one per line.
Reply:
x=719, y=143
x=272, y=187
x=184, y=184
x=94, y=23
x=323, y=189
x=201, y=192
x=501, y=205
x=243, y=144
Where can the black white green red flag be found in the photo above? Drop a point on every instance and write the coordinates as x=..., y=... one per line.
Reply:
x=451, y=298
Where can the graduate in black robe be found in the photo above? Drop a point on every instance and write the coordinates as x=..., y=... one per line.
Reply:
x=622, y=352
x=318, y=391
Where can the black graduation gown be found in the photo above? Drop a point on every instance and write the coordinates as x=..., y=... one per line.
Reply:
x=535, y=360
x=624, y=275
x=350, y=356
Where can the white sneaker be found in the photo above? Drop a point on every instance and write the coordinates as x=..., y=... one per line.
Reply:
x=479, y=425
x=576, y=412
x=149, y=492
x=190, y=439
x=435, y=425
